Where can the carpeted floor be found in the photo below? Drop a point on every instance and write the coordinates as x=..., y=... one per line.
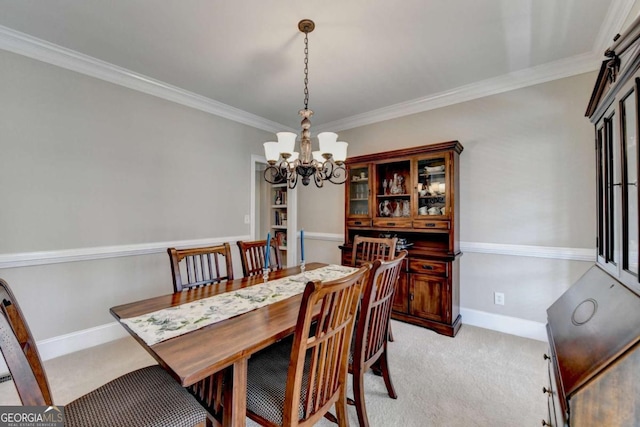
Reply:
x=479, y=378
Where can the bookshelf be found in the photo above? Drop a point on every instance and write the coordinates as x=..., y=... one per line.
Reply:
x=283, y=223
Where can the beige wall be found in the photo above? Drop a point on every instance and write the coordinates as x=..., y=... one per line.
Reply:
x=85, y=163
x=527, y=178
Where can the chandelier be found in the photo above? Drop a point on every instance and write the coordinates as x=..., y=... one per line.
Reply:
x=287, y=165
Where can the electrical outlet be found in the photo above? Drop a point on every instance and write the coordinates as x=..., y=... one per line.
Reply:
x=498, y=298
x=247, y=219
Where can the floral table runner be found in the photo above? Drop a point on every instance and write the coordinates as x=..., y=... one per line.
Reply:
x=171, y=322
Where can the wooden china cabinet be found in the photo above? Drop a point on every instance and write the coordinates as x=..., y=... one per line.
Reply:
x=412, y=194
x=594, y=327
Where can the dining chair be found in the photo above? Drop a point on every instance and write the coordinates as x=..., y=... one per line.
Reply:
x=145, y=397
x=252, y=256
x=191, y=268
x=195, y=267
x=370, y=344
x=368, y=249
x=295, y=382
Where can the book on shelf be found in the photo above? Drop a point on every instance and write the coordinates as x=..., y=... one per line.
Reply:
x=281, y=239
x=280, y=218
x=280, y=197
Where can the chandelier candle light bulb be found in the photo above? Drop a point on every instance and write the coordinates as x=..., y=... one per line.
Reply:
x=286, y=165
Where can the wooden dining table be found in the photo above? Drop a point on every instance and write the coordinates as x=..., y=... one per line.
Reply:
x=227, y=345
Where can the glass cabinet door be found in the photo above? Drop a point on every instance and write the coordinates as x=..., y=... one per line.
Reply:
x=359, y=191
x=432, y=186
x=393, y=183
x=609, y=183
x=629, y=122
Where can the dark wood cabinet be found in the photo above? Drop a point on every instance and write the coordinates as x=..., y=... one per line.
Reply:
x=594, y=336
x=594, y=327
x=412, y=194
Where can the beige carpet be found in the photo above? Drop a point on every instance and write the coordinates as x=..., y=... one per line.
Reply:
x=480, y=378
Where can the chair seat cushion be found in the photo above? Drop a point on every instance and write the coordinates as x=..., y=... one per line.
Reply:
x=143, y=398
x=267, y=382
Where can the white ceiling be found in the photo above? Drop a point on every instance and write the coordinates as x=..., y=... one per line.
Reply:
x=369, y=59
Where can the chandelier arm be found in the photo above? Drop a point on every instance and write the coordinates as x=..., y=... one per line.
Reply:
x=292, y=180
x=338, y=174
x=319, y=178
x=275, y=174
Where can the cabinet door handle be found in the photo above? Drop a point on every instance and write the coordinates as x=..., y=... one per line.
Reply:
x=546, y=356
x=357, y=223
x=427, y=267
x=430, y=224
x=544, y=423
x=411, y=297
x=546, y=391
x=391, y=223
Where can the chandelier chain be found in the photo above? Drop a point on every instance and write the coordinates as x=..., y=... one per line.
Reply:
x=306, y=71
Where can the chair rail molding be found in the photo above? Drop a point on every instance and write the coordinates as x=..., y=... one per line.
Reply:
x=26, y=259
x=552, y=252
x=575, y=254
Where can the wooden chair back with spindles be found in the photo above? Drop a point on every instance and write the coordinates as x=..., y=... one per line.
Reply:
x=195, y=267
x=252, y=256
x=369, y=249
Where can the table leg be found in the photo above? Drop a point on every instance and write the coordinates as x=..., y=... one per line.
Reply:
x=234, y=411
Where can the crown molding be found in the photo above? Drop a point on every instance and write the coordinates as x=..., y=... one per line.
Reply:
x=41, y=50
x=612, y=25
x=35, y=48
x=516, y=80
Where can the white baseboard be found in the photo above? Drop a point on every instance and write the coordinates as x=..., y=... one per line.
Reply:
x=508, y=325
x=76, y=341
x=81, y=340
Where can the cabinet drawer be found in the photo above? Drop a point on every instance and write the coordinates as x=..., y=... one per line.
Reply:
x=433, y=268
x=425, y=223
x=366, y=222
x=392, y=222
